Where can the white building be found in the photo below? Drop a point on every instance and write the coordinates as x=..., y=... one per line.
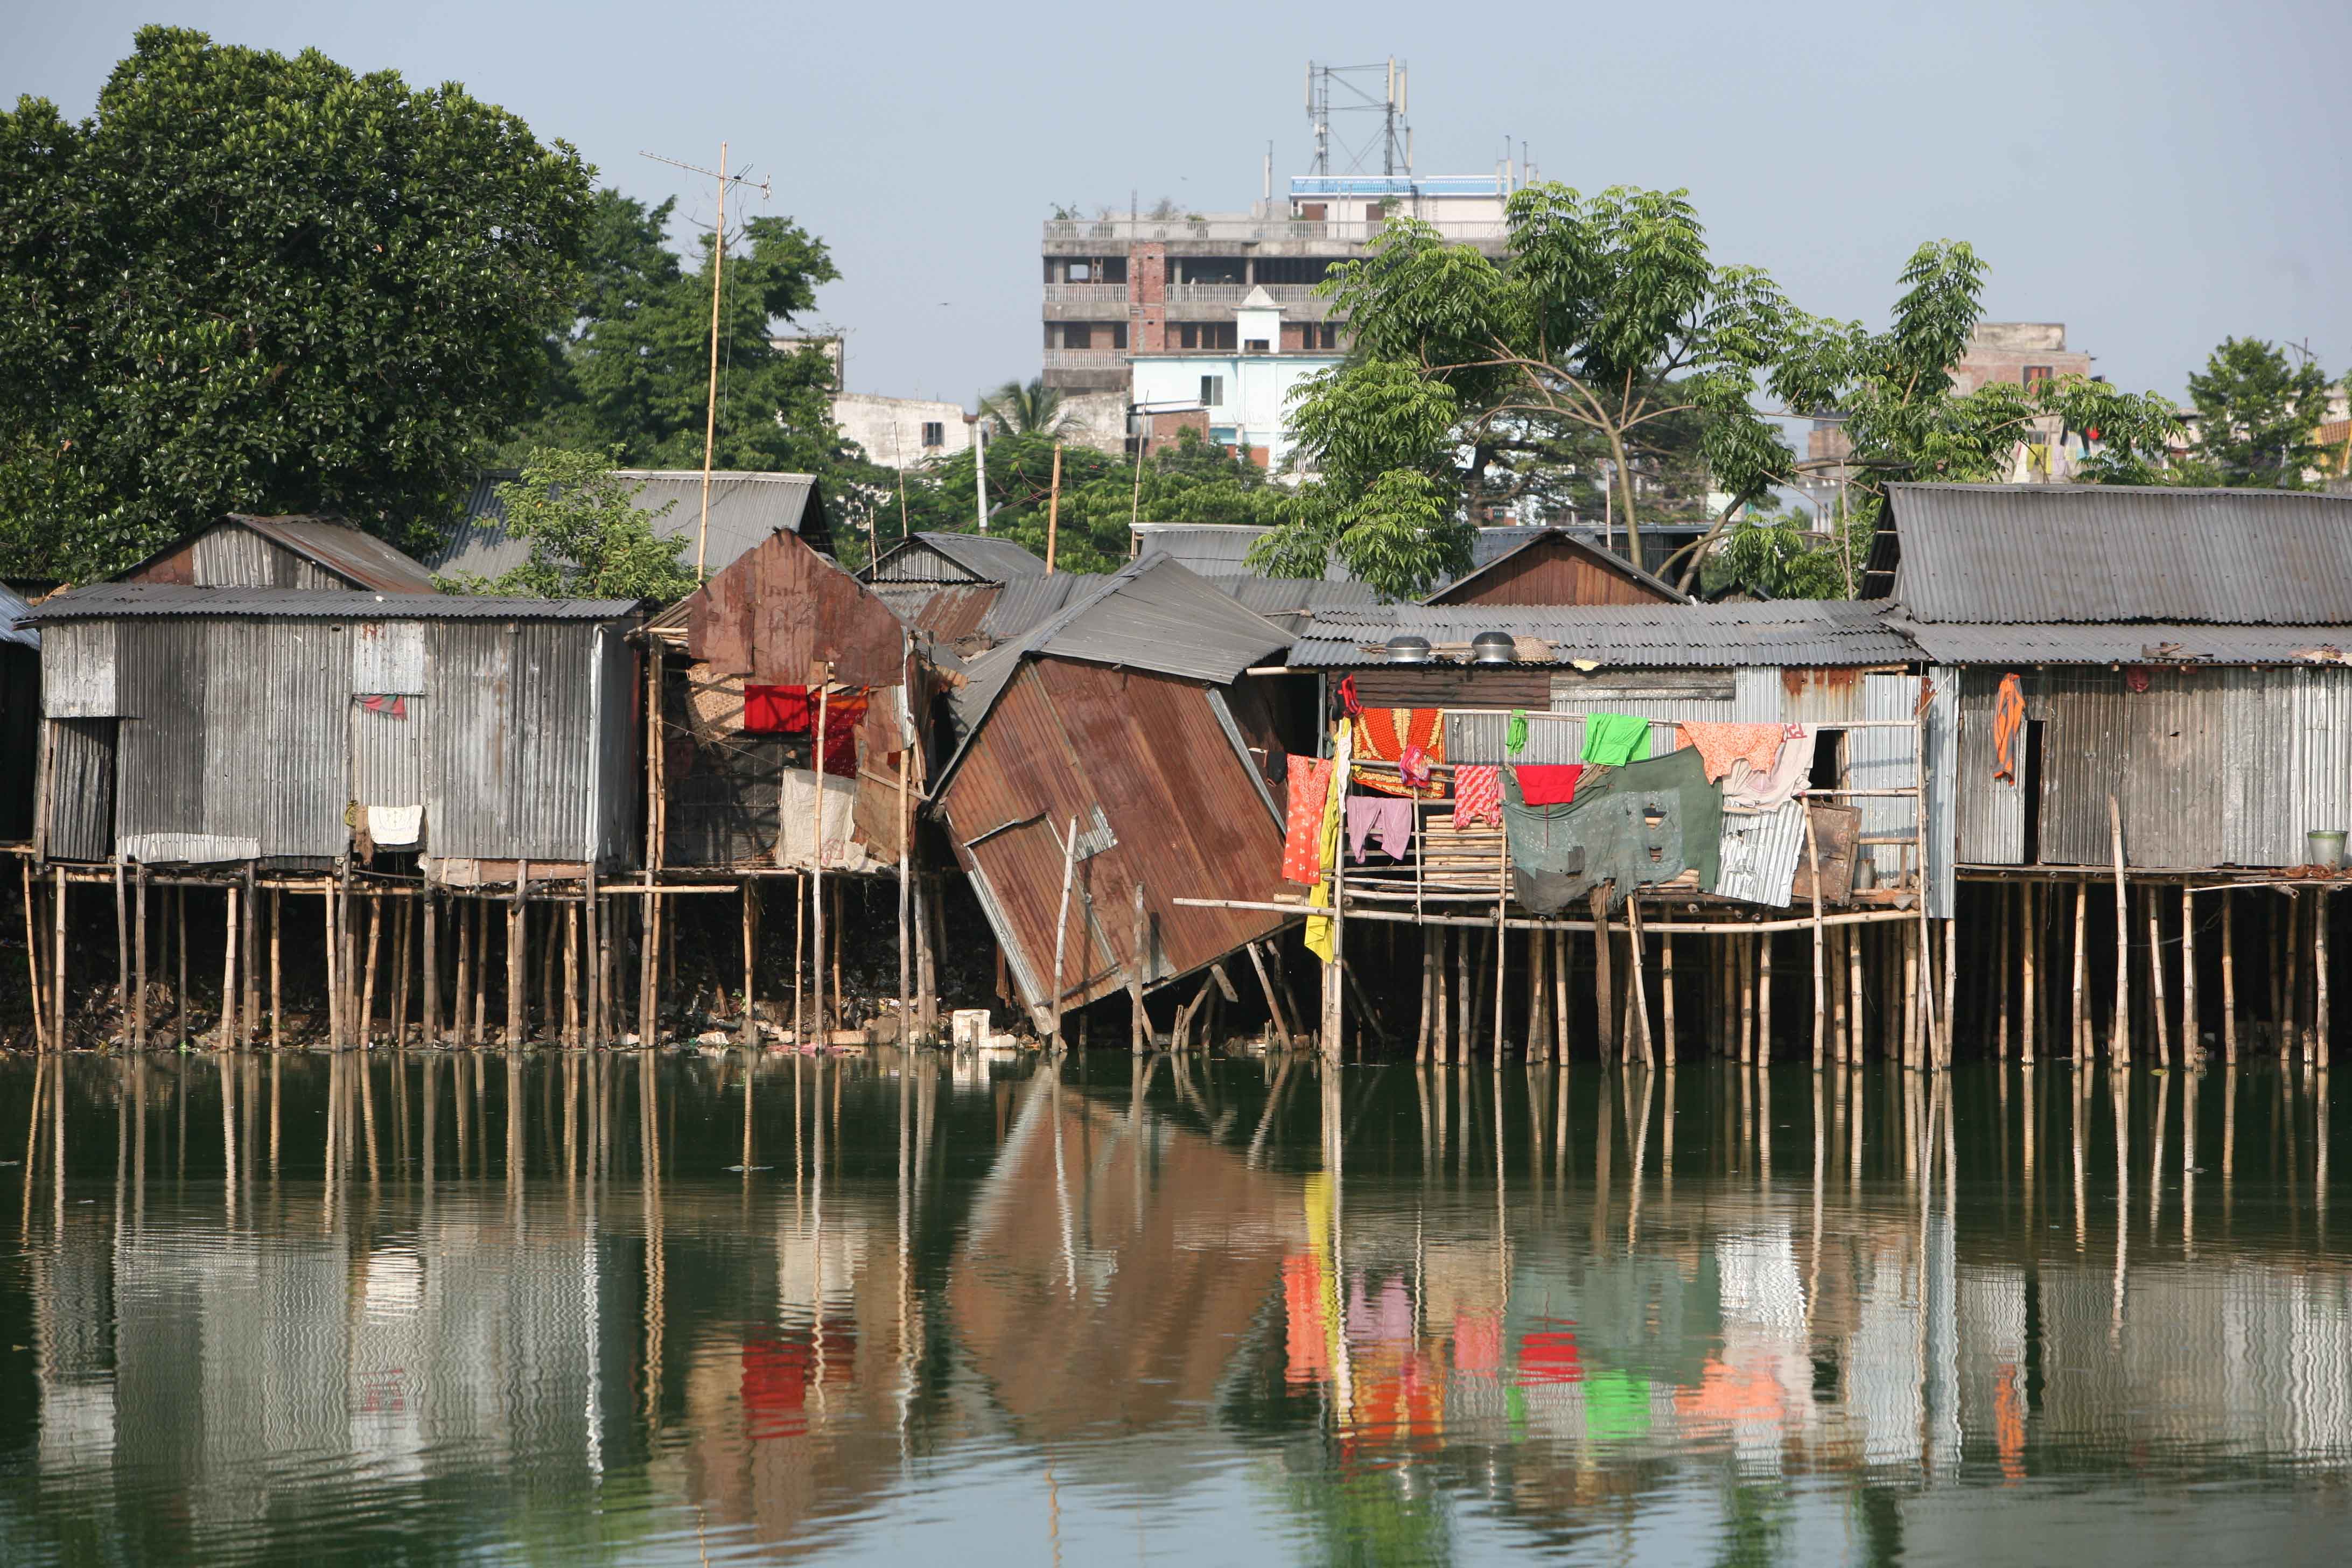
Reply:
x=902, y=432
x=1242, y=389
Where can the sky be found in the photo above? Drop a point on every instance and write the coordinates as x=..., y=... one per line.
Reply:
x=2155, y=175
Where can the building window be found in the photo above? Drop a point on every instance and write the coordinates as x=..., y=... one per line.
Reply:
x=1077, y=335
x=1374, y=212
x=1212, y=391
x=1118, y=334
x=2036, y=377
x=1323, y=334
x=1254, y=346
x=935, y=432
x=1079, y=272
x=1220, y=335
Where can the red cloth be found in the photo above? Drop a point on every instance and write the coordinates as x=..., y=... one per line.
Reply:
x=1310, y=783
x=397, y=707
x=793, y=710
x=1477, y=794
x=1549, y=783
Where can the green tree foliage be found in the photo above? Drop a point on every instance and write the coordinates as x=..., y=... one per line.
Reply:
x=1192, y=481
x=629, y=368
x=257, y=283
x=1606, y=326
x=1033, y=410
x=1902, y=414
x=588, y=538
x=1782, y=556
x=2256, y=418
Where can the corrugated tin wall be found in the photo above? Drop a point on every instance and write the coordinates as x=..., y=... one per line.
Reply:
x=619, y=772
x=1940, y=812
x=77, y=671
x=1885, y=758
x=82, y=789
x=233, y=556
x=2286, y=763
x=1989, y=812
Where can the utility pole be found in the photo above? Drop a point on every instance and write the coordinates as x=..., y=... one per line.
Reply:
x=718, y=264
x=980, y=463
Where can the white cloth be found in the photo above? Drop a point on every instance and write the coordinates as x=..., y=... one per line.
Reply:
x=1743, y=792
x=392, y=826
x=795, y=805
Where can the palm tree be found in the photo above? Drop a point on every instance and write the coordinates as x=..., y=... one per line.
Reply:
x=1032, y=410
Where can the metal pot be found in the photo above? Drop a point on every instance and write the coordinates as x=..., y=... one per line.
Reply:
x=2326, y=848
x=1408, y=650
x=1493, y=647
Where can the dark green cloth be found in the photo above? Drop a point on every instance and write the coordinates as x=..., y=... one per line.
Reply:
x=1632, y=827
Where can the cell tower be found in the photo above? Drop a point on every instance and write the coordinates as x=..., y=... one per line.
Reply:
x=1376, y=94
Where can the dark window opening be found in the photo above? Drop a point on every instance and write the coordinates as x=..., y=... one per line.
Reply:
x=1292, y=269
x=1077, y=335
x=935, y=432
x=1374, y=212
x=1254, y=345
x=1209, y=270
x=2037, y=375
x=1213, y=390
x=1118, y=334
x=2030, y=780
x=1323, y=335
x=1828, y=754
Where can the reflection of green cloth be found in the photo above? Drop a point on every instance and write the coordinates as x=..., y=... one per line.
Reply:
x=1514, y=736
x=1560, y=853
x=1616, y=1406
x=1613, y=740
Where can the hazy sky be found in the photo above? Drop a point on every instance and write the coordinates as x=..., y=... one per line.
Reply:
x=2157, y=175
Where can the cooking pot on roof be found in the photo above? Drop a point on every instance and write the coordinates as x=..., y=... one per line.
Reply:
x=1492, y=647
x=1408, y=650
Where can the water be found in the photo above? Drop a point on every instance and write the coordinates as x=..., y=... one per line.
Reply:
x=494, y=1309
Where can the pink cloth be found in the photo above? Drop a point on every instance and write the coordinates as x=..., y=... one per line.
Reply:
x=1390, y=818
x=1310, y=781
x=1477, y=794
x=1720, y=745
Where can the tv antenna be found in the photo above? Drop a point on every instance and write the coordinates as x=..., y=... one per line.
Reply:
x=1368, y=91
x=718, y=264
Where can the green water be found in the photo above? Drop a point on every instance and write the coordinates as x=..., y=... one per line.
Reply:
x=473, y=1308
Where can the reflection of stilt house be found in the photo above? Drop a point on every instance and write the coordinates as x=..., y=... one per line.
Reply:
x=1119, y=715
x=780, y=647
x=2178, y=703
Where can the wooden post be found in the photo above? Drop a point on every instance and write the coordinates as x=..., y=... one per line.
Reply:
x=1139, y=1025
x=367, y=984
x=57, y=965
x=1441, y=1025
x=180, y=948
x=834, y=927
x=2320, y=985
x=138, y=974
x=478, y=1025
x=462, y=1003
x=121, y=951
x=517, y=962
x=2029, y=1008
x=225, y=1032
x=1633, y=988
x=2156, y=976
x=1054, y=510
x=592, y=906
x=1951, y=956
x=1764, y=997
x=571, y=1019
x=2001, y=948
x=1820, y=983
x=816, y=860
x=1910, y=939
x=751, y=945
x=1539, y=1025
x=33, y=963
x=1666, y=991
x=1599, y=901
x=1428, y=992
x=432, y=966
x=1858, y=1033
x=250, y=935
x=1559, y=997
x=2119, y=1041
x=403, y=946
x=1744, y=951
x=2229, y=977
x=2192, y=1036
x=1266, y=984
x=2082, y=1023
x=1062, y=920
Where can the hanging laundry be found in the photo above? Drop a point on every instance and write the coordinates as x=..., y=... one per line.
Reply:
x=1349, y=704
x=1748, y=792
x=1515, y=734
x=1477, y=794
x=1389, y=820
x=1549, y=783
x=1310, y=785
x=1320, y=936
x=2008, y=719
x=1720, y=745
x=390, y=706
x=776, y=709
x=792, y=710
x=1613, y=740
x=1384, y=733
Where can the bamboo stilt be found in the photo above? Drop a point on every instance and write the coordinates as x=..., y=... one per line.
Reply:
x=2156, y=977
x=1764, y=999
x=366, y=1032
x=1666, y=991
x=225, y=1032
x=1744, y=955
x=2029, y=1008
x=1944, y=1017
x=479, y=1027
x=1428, y=994
x=2082, y=1023
x=462, y=1002
x=249, y=935
x=1857, y=1035
x=2229, y=978
x=572, y=978
x=180, y=950
x=58, y=992
x=139, y=978
x=1633, y=989
x=518, y=963
x=1600, y=977
x=34, y=989
x=751, y=1031
x=432, y=977
x=1911, y=1000
x=2120, y=1034
x=2192, y=1033
x=2320, y=1020
x=121, y=951
x=1821, y=983
x=1560, y=1002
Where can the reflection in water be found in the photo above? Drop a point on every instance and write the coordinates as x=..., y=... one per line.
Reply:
x=672, y=1308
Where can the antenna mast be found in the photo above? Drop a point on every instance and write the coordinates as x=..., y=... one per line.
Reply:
x=1367, y=89
x=718, y=265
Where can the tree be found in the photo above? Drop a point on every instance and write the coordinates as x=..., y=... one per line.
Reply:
x=2256, y=416
x=626, y=367
x=1782, y=556
x=1035, y=409
x=1606, y=324
x=256, y=283
x=589, y=539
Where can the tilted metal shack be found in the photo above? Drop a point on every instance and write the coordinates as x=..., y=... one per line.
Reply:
x=209, y=725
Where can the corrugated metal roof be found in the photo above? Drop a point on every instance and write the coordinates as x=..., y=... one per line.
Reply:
x=116, y=601
x=1806, y=632
x=1496, y=545
x=1023, y=606
x=1221, y=549
x=12, y=627
x=1155, y=615
x=1027, y=604
x=359, y=558
x=2124, y=642
x=949, y=557
x=745, y=507
x=2038, y=553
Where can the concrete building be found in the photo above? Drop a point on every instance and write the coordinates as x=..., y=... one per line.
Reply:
x=1237, y=394
x=1117, y=287
x=902, y=432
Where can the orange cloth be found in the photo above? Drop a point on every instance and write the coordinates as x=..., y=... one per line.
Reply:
x=1302, y=838
x=1720, y=745
x=1384, y=733
x=2008, y=719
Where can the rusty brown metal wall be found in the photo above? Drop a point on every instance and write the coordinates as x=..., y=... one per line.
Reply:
x=1146, y=751
x=777, y=610
x=1550, y=571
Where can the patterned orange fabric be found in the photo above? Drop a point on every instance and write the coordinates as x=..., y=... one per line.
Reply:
x=1720, y=745
x=1310, y=781
x=2008, y=719
x=1384, y=733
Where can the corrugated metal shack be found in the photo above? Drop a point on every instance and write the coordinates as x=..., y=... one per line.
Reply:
x=942, y=584
x=319, y=553
x=206, y=726
x=1554, y=566
x=2184, y=651
x=1221, y=549
x=745, y=509
x=1119, y=713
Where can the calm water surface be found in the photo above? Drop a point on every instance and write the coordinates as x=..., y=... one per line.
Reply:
x=651, y=1309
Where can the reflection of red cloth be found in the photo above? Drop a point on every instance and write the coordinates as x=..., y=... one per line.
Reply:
x=1547, y=784
x=793, y=710
x=1307, y=1353
x=775, y=1386
x=1550, y=1354
x=1478, y=1342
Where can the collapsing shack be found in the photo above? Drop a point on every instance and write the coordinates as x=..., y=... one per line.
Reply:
x=2148, y=689
x=1110, y=777
x=352, y=746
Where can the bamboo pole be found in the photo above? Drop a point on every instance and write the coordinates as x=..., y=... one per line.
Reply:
x=367, y=985
x=2156, y=976
x=2029, y=1007
x=1062, y=922
x=225, y=1031
x=1666, y=991
x=2320, y=1020
x=1610, y=1046
x=432, y=977
x=1441, y=1024
x=816, y=860
x=802, y=900
x=461, y=1001
x=1634, y=996
x=1054, y=510
x=750, y=1030
x=518, y=962
x=1138, y=1017
x=57, y=965
x=404, y=958
x=1764, y=999
x=1559, y=1000
x=250, y=935
x=2002, y=946
x=1266, y=984
x=2192, y=1035
x=121, y=950
x=2119, y=1041
x=1951, y=957
x=1744, y=953
x=2082, y=1023
x=34, y=988
x=906, y=837
x=1821, y=983
x=833, y=927
x=2229, y=978
x=1428, y=993
x=571, y=978
x=180, y=950
x=593, y=903
x=1911, y=998
x=1538, y=1015
x=1857, y=1028
x=139, y=978
x=480, y=1003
